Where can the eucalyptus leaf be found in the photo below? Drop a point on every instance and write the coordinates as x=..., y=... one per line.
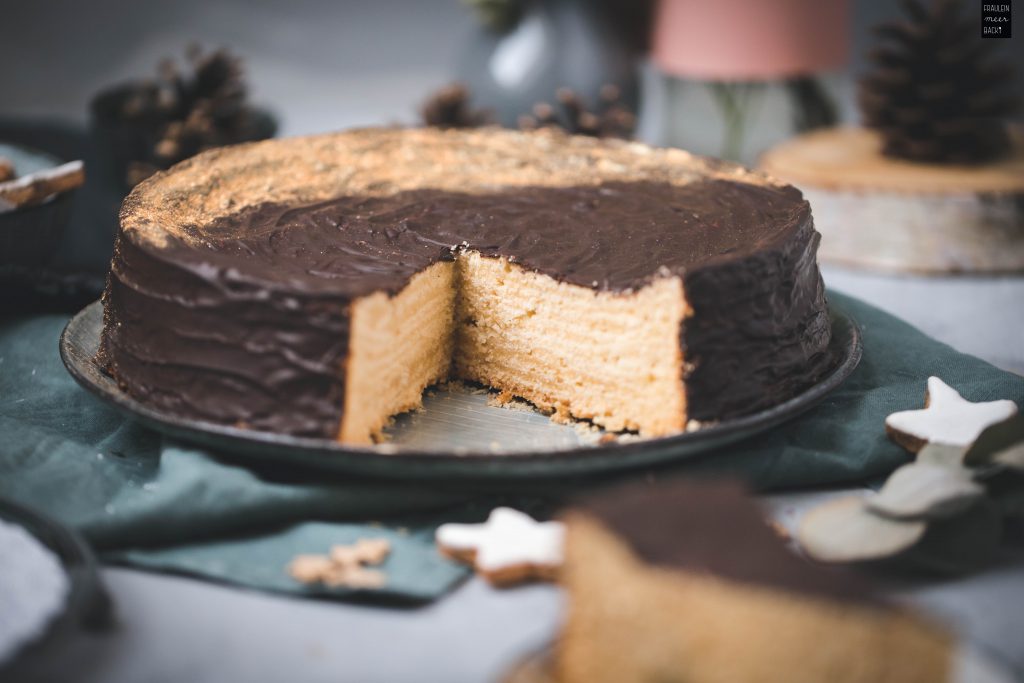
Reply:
x=845, y=530
x=946, y=455
x=958, y=544
x=926, y=491
x=1012, y=457
x=1004, y=439
x=1010, y=503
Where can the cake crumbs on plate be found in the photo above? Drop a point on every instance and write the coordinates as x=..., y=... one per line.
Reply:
x=456, y=386
x=561, y=415
x=590, y=434
x=510, y=401
x=502, y=399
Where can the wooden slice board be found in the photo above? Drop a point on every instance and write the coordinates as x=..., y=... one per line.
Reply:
x=890, y=214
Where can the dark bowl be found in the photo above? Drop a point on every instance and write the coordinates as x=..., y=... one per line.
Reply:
x=87, y=607
x=31, y=236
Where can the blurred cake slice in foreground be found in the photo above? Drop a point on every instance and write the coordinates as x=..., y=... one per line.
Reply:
x=687, y=583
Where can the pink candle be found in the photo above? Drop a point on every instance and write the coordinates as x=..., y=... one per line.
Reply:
x=745, y=40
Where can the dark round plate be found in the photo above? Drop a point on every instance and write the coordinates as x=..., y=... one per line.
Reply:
x=456, y=435
x=87, y=605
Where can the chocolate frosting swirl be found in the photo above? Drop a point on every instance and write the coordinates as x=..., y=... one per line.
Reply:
x=613, y=236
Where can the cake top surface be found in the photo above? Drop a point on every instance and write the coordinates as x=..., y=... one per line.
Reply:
x=362, y=210
x=383, y=161
x=715, y=528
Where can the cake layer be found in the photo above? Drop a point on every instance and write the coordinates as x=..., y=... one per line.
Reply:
x=608, y=357
x=399, y=345
x=313, y=229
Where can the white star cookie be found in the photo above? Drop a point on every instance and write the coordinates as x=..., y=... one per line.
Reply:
x=947, y=418
x=510, y=547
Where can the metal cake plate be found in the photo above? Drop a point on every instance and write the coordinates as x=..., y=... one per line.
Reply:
x=457, y=434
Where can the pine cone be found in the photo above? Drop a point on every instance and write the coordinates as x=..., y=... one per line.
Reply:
x=935, y=93
x=186, y=112
x=611, y=119
x=449, y=107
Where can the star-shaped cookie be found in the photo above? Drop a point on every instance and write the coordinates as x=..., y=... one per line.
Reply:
x=510, y=547
x=947, y=418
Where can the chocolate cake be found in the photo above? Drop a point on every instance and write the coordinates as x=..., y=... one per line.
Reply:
x=315, y=286
x=687, y=582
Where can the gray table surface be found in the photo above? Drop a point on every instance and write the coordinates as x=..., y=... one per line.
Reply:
x=330, y=65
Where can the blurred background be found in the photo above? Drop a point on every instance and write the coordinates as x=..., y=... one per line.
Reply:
x=319, y=65
x=731, y=78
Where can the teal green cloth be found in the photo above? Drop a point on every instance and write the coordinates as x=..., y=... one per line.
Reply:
x=150, y=501
x=414, y=571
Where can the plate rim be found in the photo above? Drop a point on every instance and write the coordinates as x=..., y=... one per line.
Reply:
x=615, y=455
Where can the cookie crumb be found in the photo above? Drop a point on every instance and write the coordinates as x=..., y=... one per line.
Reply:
x=344, y=566
x=354, y=577
x=344, y=556
x=372, y=550
x=309, y=568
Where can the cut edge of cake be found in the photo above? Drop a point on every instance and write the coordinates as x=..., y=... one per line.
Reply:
x=398, y=346
x=608, y=357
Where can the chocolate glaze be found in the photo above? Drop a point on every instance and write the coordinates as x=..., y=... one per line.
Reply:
x=760, y=331
x=714, y=528
x=248, y=322
x=206, y=345
x=611, y=236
